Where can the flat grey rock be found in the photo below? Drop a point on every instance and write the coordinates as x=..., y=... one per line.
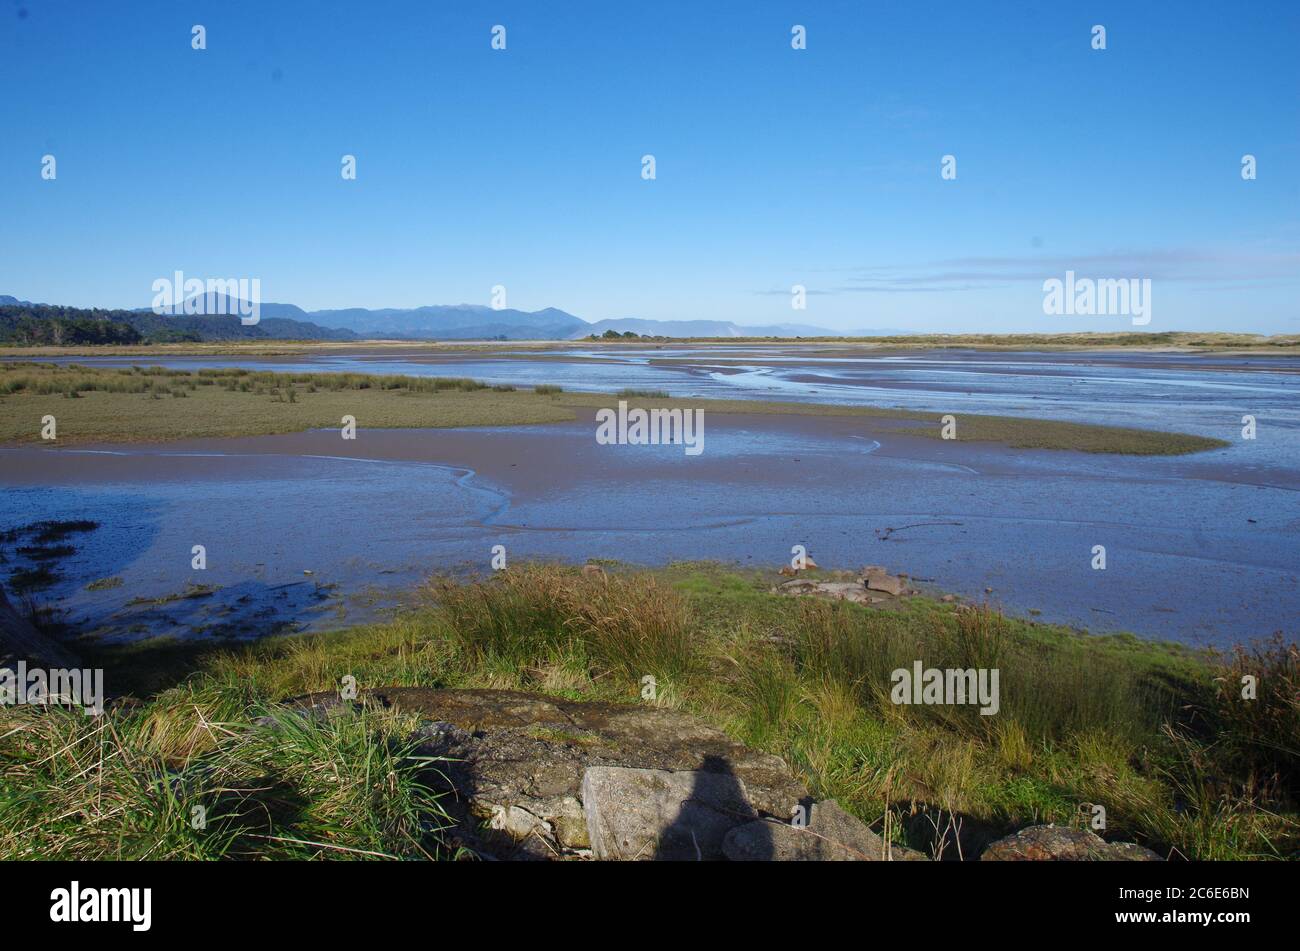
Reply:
x=642, y=814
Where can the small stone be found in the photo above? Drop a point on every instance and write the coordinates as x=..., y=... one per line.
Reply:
x=571, y=825
x=517, y=823
x=886, y=583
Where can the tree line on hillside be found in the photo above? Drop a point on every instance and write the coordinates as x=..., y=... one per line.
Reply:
x=47, y=325
x=50, y=325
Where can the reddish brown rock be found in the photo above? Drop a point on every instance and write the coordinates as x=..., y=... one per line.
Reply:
x=1051, y=843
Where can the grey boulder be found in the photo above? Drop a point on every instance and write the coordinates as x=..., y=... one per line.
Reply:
x=639, y=814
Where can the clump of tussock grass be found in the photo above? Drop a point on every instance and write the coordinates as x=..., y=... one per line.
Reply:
x=1049, y=690
x=644, y=394
x=1258, y=734
x=187, y=781
x=531, y=618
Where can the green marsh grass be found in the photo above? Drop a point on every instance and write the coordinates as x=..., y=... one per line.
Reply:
x=1147, y=729
x=103, y=404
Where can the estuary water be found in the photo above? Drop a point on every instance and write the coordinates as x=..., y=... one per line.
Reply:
x=309, y=532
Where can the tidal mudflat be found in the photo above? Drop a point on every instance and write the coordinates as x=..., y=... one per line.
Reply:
x=1203, y=393
x=311, y=531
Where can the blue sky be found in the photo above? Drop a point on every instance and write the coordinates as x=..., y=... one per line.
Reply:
x=775, y=167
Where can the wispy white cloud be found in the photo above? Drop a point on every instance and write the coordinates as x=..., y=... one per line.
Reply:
x=1210, y=268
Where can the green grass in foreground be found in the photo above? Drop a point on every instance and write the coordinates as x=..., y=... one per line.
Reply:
x=1155, y=733
x=138, y=404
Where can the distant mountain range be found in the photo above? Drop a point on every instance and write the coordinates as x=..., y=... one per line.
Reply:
x=453, y=322
x=433, y=322
x=476, y=322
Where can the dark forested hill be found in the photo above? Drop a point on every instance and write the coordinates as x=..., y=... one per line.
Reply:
x=52, y=325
